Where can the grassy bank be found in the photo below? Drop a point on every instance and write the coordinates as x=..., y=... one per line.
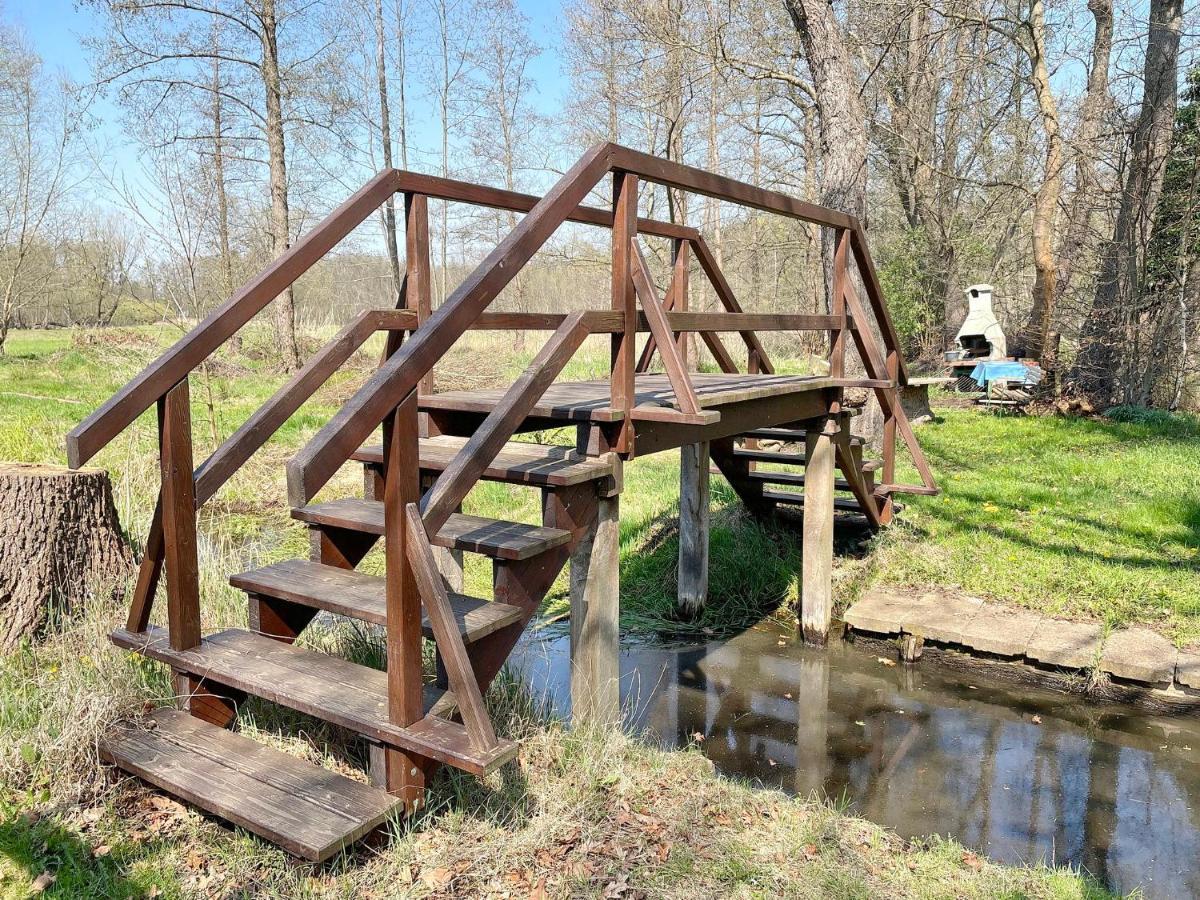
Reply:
x=590, y=814
x=1079, y=518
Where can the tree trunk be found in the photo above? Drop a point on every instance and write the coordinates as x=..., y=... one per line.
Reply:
x=1080, y=214
x=285, y=303
x=1100, y=354
x=842, y=118
x=62, y=546
x=1035, y=337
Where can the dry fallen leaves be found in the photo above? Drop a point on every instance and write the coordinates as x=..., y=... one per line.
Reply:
x=971, y=860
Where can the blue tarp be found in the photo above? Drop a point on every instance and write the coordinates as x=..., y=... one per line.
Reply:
x=1004, y=370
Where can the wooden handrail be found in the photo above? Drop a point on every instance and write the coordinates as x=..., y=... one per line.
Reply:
x=268, y=418
x=118, y=412
x=469, y=464
x=115, y=415
x=313, y=466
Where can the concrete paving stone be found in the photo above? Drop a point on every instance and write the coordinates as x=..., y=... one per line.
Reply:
x=1002, y=630
x=940, y=617
x=1072, y=645
x=1139, y=654
x=880, y=611
x=1187, y=669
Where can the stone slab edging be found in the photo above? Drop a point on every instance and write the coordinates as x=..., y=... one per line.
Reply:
x=1134, y=657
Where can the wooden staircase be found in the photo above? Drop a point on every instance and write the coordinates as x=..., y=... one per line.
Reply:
x=273, y=795
x=421, y=461
x=762, y=490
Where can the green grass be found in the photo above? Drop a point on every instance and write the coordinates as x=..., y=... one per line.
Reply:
x=1080, y=518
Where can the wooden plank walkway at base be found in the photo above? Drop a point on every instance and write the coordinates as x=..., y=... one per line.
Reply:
x=580, y=401
x=307, y=810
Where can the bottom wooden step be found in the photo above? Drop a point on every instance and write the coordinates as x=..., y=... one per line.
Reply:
x=332, y=689
x=309, y=811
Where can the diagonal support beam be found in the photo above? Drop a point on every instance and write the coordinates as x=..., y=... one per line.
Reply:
x=445, y=631
x=643, y=283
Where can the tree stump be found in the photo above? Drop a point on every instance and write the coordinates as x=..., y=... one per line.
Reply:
x=60, y=545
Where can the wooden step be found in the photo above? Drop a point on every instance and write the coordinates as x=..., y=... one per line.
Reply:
x=772, y=456
x=793, y=478
x=309, y=811
x=790, y=435
x=792, y=459
x=361, y=596
x=516, y=463
x=491, y=537
x=330, y=688
x=841, y=504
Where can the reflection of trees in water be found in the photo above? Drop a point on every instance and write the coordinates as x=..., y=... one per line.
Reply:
x=979, y=769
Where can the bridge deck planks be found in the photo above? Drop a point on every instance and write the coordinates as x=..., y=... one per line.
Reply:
x=581, y=401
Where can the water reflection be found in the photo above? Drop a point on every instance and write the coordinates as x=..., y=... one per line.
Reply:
x=1021, y=774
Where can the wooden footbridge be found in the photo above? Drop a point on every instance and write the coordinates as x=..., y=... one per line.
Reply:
x=435, y=448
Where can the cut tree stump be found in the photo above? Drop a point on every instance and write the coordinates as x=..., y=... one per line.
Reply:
x=60, y=545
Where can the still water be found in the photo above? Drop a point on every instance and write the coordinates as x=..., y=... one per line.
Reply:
x=1020, y=774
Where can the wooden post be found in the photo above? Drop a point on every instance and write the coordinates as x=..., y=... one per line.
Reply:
x=624, y=230
x=405, y=774
x=595, y=609
x=889, y=431
x=179, y=517
x=417, y=278
x=693, y=528
x=816, y=590
x=681, y=254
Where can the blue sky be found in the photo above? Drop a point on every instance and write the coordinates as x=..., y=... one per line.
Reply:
x=56, y=29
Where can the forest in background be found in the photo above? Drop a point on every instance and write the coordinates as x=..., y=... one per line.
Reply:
x=1048, y=149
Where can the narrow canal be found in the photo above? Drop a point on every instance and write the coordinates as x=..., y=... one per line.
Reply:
x=1020, y=774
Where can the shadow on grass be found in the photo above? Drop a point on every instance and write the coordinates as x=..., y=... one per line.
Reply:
x=43, y=847
x=1017, y=532
x=754, y=569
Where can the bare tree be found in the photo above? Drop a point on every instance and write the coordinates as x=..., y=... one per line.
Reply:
x=156, y=51
x=1097, y=370
x=38, y=141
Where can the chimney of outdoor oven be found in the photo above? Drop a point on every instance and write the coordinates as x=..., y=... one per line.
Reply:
x=980, y=335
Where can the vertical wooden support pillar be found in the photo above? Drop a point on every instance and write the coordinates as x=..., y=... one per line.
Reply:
x=624, y=364
x=681, y=255
x=405, y=774
x=816, y=589
x=417, y=278
x=179, y=517
x=693, y=528
x=889, y=431
x=595, y=610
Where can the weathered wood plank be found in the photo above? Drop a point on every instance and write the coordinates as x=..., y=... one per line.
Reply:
x=309, y=811
x=451, y=650
x=360, y=596
x=516, y=463
x=320, y=685
x=492, y=537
